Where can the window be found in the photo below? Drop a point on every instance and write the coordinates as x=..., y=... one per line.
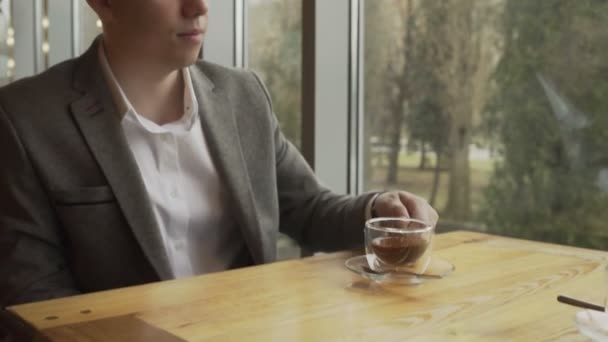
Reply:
x=7, y=44
x=274, y=35
x=89, y=26
x=494, y=111
x=275, y=53
x=35, y=35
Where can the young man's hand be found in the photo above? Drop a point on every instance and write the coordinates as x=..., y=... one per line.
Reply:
x=405, y=204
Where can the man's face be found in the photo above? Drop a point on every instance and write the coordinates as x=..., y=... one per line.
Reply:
x=169, y=32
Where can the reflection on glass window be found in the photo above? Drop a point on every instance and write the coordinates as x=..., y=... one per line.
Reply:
x=494, y=111
x=274, y=36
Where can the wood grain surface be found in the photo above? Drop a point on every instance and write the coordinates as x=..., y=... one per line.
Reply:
x=502, y=290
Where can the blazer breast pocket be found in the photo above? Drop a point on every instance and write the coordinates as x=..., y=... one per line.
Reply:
x=83, y=195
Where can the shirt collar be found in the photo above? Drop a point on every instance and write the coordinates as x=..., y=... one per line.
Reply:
x=128, y=112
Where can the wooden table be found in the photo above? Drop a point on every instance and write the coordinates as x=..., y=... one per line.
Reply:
x=503, y=289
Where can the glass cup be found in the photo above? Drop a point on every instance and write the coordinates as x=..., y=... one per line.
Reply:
x=394, y=244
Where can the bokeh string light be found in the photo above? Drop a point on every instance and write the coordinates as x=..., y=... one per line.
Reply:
x=45, y=23
x=7, y=35
x=10, y=43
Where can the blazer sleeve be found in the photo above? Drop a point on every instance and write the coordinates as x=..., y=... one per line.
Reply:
x=309, y=212
x=32, y=260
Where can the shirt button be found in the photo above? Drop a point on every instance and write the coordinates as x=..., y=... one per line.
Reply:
x=173, y=193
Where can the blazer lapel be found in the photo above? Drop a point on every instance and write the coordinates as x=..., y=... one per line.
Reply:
x=220, y=131
x=97, y=117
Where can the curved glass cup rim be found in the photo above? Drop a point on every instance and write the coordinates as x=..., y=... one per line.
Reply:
x=427, y=226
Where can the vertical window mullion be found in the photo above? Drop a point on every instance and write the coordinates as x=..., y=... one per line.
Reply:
x=332, y=93
x=25, y=43
x=355, y=84
x=38, y=59
x=308, y=80
x=75, y=26
x=59, y=32
x=220, y=46
x=240, y=36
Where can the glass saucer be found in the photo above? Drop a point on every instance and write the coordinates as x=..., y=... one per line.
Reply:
x=437, y=269
x=593, y=324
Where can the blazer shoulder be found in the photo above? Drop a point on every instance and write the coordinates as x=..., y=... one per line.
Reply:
x=228, y=78
x=241, y=84
x=218, y=73
x=39, y=91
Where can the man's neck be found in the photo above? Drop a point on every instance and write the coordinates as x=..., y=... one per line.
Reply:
x=155, y=91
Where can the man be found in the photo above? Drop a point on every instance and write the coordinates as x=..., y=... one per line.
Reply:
x=136, y=163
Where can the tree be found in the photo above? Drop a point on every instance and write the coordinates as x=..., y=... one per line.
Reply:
x=553, y=69
x=380, y=28
x=436, y=69
x=457, y=30
x=429, y=124
x=275, y=53
x=456, y=56
x=400, y=82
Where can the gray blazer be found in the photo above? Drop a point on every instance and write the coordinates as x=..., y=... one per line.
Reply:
x=74, y=213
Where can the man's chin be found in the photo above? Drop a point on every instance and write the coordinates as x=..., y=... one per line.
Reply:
x=187, y=61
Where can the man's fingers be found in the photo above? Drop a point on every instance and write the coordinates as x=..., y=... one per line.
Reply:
x=405, y=204
x=389, y=205
x=397, y=209
x=419, y=208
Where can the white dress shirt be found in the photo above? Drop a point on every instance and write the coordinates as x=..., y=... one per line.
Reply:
x=188, y=197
